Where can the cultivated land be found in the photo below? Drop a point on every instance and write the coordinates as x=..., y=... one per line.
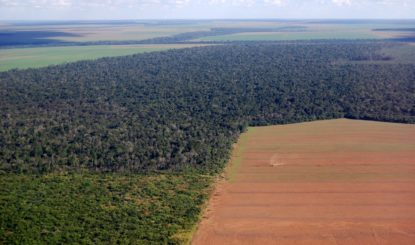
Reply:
x=83, y=32
x=44, y=37
x=312, y=34
x=325, y=182
x=318, y=31
x=40, y=57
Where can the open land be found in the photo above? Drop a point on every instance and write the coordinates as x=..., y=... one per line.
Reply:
x=325, y=182
x=318, y=31
x=40, y=57
x=312, y=34
x=33, y=45
x=83, y=32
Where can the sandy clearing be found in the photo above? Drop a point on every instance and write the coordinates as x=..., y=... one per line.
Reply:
x=326, y=182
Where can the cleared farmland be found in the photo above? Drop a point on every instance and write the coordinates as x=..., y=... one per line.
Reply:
x=40, y=57
x=312, y=32
x=318, y=31
x=82, y=32
x=287, y=36
x=326, y=182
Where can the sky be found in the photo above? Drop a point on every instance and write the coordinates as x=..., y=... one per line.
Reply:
x=205, y=9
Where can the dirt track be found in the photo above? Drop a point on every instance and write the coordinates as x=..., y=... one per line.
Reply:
x=327, y=182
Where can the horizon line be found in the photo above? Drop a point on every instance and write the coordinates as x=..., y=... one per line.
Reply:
x=186, y=19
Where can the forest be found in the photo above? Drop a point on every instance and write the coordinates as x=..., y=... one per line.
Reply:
x=183, y=109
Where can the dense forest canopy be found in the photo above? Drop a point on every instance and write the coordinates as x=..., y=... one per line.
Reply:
x=183, y=109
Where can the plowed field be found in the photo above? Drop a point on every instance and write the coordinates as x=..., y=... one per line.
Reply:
x=325, y=182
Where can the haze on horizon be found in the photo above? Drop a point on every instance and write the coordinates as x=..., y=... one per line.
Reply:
x=208, y=9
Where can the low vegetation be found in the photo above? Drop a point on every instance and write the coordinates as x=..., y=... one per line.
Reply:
x=100, y=208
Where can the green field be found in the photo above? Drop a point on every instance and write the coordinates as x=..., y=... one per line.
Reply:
x=315, y=31
x=100, y=208
x=40, y=57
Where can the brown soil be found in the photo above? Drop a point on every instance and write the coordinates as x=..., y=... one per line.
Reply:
x=327, y=182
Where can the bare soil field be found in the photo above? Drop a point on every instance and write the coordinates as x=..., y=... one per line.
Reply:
x=326, y=182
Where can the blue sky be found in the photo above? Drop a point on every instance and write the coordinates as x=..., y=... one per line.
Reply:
x=199, y=9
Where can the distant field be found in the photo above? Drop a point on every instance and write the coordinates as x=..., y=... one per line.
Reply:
x=317, y=31
x=341, y=180
x=91, y=32
x=126, y=32
x=88, y=32
x=312, y=32
x=287, y=36
x=82, y=32
x=50, y=33
x=122, y=33
x=40, y=57
x=147, y=31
